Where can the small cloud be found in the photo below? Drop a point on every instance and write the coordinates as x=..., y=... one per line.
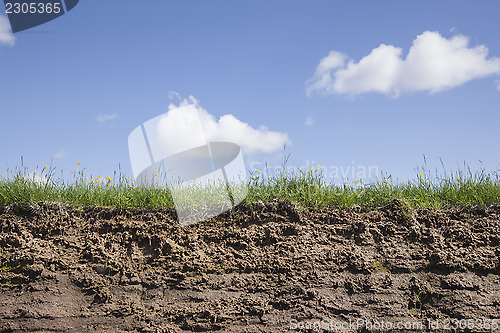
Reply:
x=105, y=117
x=6, y=36
x=309, y=121
x=175, y=130
x=498, y=84
x=174, y=95
x=61, y=153
x=433, y=63
x=37, y=177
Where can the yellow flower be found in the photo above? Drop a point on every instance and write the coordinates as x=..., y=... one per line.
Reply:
x=78, y=163
x=47, y=166
x=128, y=178
x=422, y=174
x=98, y=180
x=319, y=165
x=133, y=183
x=257, y=170
x=356, y=181
x=402, y=182
x=86, y=178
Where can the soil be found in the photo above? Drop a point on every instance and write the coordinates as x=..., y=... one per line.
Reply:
x=264, y=267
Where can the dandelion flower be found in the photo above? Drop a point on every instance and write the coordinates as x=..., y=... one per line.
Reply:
x=356, y=181
x=78, y=163
x=257, y=170
x=402, y=182
x=47, y=166
x=128, y=178
x=319, y=165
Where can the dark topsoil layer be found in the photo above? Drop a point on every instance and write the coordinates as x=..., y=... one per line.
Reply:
x=255, y=269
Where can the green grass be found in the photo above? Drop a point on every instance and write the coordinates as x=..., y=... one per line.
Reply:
x=308, y=188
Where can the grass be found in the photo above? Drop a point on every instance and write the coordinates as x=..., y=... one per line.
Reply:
x=308, y=188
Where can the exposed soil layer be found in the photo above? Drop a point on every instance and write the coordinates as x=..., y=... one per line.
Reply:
x=268, y=267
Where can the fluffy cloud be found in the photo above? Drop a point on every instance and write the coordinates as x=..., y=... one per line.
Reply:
x=61, y=153
x=432, y=64
x=6, y=36
x=309, y=121
x=105, y=117
x=187, y=125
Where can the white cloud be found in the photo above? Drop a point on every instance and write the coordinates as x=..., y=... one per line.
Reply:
x=186, y=125
x=37, y=177
x=432, y=64
x=61, y=153
x=6, y=36
x=309, y=121
x=498, y=84
x=105, y=117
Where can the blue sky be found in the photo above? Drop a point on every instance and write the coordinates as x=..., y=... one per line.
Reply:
x=73, y=89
